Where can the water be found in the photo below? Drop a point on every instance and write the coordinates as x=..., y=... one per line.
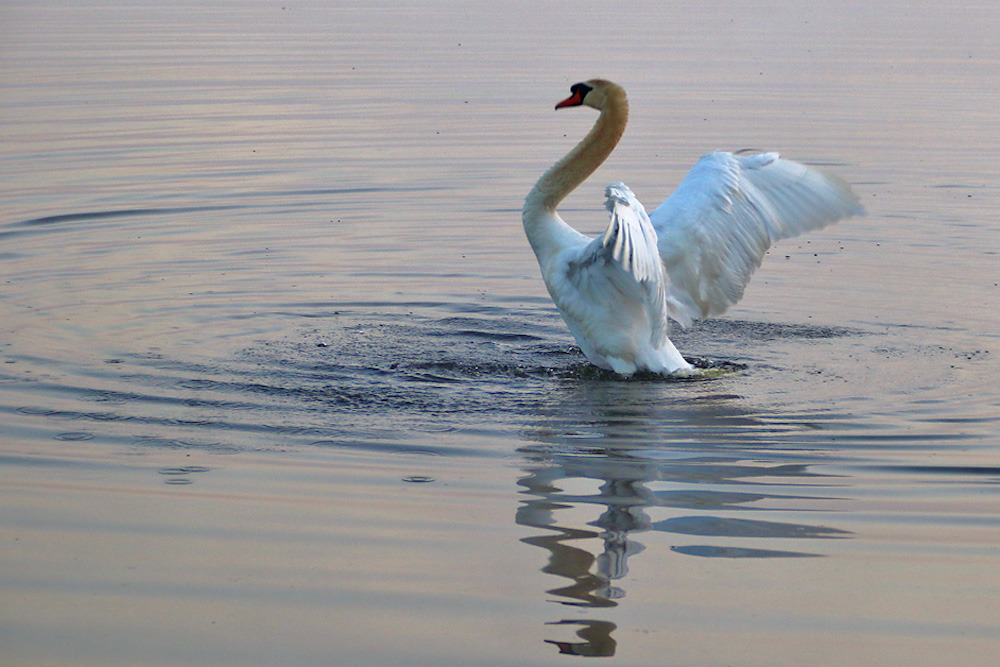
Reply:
x=281, y=384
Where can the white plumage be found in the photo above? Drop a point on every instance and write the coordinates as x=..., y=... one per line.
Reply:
x=690, y=258
x=714, y=229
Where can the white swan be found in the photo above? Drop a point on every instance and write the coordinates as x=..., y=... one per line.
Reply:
x=690, y=258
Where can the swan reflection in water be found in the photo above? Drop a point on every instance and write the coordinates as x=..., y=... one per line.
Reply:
x=624, y=495
x=690, y=258
x=592, y=576
x=700, y=462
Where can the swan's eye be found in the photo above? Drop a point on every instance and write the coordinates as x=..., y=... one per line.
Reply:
x=581, y=89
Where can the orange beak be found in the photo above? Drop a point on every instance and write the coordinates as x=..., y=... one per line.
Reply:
x=573, y=100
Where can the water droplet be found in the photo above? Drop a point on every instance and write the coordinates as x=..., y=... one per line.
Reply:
x=185, y=470
x=74, y=436
x=418, y=479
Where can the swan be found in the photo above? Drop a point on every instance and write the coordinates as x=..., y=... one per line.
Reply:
x=690, y=258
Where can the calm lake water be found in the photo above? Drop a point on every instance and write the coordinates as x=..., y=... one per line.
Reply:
x=281, y=384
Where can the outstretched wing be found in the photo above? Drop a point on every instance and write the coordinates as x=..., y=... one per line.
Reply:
x=619, y=273
x=714, y=229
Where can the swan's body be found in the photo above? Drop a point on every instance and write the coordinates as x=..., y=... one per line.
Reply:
x=690, y=258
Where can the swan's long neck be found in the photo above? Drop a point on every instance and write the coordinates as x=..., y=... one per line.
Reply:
x=568, y=173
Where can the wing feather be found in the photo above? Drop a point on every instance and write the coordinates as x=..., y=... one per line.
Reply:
x=630, y=234
x=619, y=271
x=714, y=230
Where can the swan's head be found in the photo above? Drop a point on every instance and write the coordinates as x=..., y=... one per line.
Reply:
x=593, y=93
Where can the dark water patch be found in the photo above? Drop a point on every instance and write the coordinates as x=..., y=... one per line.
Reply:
x=185, y=470
x=708, y=551
x=34, y=411
x=175, y=443
x=74, y=436
x=124, y=213
x=716, y=526
x=985, y=419
x=430, y=377
x=488, y=335
x=73, y=414
x=63, y=221
x=975, y=472
x=358, y=190
x=16, y=461
x=198, y=384
x=473, y=370
x=715, y=500
x=707, y=370
x=902, y=439
x=730, y=330
x=688, y=499
x=397, y=448
x=503, y=329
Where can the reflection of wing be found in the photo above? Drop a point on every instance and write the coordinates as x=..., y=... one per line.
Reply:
x=715, y=228
x=617, y=286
